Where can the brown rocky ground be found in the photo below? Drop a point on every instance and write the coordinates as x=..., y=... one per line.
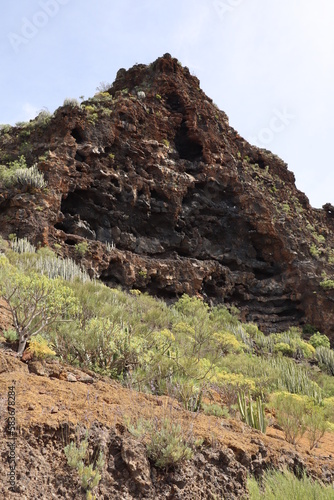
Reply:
x=53, y=400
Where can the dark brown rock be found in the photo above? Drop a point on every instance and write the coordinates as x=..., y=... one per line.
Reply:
x=134, y=456
x=190, y=205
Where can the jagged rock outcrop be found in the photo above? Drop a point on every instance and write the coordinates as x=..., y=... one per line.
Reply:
x=153, y=167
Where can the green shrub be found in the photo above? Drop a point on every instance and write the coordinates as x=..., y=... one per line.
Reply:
x=276, y=485
x=103, y=96
x=290, y=344
x=99, y=344
x=43, y=118
x=167, y=443
x=17, y=172
x=92, y=114
x=319, y=237
x=316, y=423
x=54, y=267
x=35, y=301
x=327, y=284
x=283, y=348
x=253, y=330
x=326, y=383
x=188, y=391
x=8, y=173
x=259, y=376
x=319, y=340
x=314, y=251
x=74, y=103
x=31, y=177
x=295, y=379
x=10, y=335
x=222, y=318
x=99, y=301
x=81, y=248
x=75, y=454
x=78, y=458
x=331, y=256
x=40, y=348
x=228, y=385
x=325, y=357
x=192, y=307
x=22, y=245
x=215, y=410
x=4, y=129
x=329, y=409
x=21, y=124
x=226, y=343
x=290, y=413
x=90, y=109
x=304, y=350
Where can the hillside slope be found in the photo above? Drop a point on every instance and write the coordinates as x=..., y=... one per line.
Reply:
x=54, y=400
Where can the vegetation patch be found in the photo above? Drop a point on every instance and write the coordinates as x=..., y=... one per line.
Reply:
x=276, y=485
x=167, y=443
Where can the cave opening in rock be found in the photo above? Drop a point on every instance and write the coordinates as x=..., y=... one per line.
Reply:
x=70, y=242
x=79, y=157
x=174, y=103
x=187, y=147
x=77, y=135
x=78, y=209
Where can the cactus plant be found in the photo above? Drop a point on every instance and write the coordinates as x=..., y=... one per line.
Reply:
x=325, y=357
x=255, y=417
x=22, y=245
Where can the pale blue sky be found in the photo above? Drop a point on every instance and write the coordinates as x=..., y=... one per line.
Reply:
x=267, y=63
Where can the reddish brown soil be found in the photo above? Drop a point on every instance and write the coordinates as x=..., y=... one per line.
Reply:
x=46, y=405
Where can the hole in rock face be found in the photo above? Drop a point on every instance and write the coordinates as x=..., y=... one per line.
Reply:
x=77, y=135
x=79, y=157
x=85, y=215
x=125, y=117
x=70, y=242
x=174, y=103
x=188, y=148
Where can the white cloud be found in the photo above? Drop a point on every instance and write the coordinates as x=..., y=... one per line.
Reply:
x=29, y=111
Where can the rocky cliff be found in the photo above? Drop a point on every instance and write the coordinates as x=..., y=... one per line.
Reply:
x=170, y=199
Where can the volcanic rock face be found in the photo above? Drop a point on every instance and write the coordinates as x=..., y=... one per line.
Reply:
x=185, y=205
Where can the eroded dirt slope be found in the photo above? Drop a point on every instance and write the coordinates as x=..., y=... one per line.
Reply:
x=55, y=400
